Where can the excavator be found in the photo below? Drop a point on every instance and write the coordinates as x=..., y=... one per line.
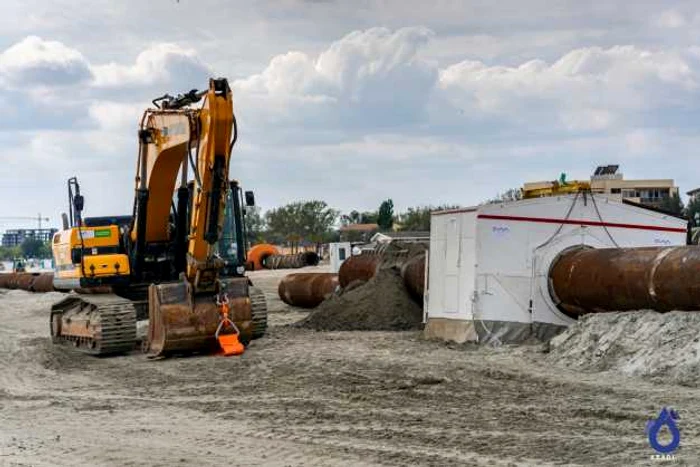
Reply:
x=162, y=263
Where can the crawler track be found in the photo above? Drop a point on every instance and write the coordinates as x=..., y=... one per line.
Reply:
x=95, y=324
x=258, y=310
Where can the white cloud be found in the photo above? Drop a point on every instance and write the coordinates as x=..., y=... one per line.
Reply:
x=160, y=63
x=584, y=89
x=490, y=99
x=641, y=142
x=374, y=56
x=116, y=115
x=670, y=19
x=35, y=61
x=290, y=74
x=373, y=75
x=587, y=119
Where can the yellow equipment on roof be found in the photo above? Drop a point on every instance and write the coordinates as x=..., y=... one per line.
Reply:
x=554, y=188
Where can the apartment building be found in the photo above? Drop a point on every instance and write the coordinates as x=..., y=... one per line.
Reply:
x=608, y=180
x=15, y=237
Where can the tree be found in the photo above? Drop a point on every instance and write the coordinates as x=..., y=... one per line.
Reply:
x=356, y=217
x=512, y=194
x=254, y=224
x=32, y=248
x=351, y=218
x=303, y=220
x=673, y=204
x=369, y=217
x=9, y=253
x=385, y=217
x=692, y=208
x=417, y=219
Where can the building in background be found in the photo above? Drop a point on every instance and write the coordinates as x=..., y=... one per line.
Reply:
x=609, y=181
x=15, y=237
x=693, y=195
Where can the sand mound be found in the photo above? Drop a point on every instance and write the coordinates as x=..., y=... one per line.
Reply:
x=645, y=343
x=382, y=304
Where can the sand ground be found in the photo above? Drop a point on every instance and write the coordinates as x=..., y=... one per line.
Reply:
x=304, y=398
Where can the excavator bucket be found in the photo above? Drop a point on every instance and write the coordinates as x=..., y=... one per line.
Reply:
x=183, y=323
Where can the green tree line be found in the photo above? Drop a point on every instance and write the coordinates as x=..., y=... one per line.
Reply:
x=30, y=248
x=315, y=222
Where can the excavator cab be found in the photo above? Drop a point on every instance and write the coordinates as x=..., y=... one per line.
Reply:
x=233, y=245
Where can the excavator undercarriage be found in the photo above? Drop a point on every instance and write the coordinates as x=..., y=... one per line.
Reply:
x=98, y=324
x=107, y=324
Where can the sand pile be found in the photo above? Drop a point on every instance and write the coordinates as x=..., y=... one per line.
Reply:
x=657, y=345
x=382, y=304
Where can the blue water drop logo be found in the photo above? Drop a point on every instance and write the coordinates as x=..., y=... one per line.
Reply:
x=666, y=417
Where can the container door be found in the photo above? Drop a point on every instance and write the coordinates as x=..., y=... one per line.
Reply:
x=452, y=260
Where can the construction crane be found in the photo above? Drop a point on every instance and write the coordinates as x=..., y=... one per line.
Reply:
x=38, y=218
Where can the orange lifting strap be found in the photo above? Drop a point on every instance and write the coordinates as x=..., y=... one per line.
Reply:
x=230, y=345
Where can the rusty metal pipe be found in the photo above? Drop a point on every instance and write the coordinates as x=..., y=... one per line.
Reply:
x=24, y=281
x=358, y=268
x=43, y=283
x=413, y=275
x=27, y=281
x=307, y=290
x=585, y=280
x=266, y=256
x=295, y=261
x=5, y=280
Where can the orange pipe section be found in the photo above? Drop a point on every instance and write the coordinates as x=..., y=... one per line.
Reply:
x=258, y=253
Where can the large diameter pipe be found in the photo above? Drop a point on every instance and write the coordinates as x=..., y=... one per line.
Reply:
x=622, y=279
x=22, y=281
x=413, y=275
x=266, y=256
x=295, y=261
x=5, y=280
x=30, y=282
x=307, y=290
x=43, y=283
x=358, y=268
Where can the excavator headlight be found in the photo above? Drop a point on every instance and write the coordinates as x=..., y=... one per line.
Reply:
x=240, y=269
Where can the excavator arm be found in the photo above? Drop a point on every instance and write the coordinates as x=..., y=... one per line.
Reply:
x=211, y=185
x=184, y=316
x=175, y=138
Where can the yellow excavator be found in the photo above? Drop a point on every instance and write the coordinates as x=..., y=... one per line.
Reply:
x=162, y=262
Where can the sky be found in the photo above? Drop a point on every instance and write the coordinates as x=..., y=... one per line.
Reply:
x=426, y=103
